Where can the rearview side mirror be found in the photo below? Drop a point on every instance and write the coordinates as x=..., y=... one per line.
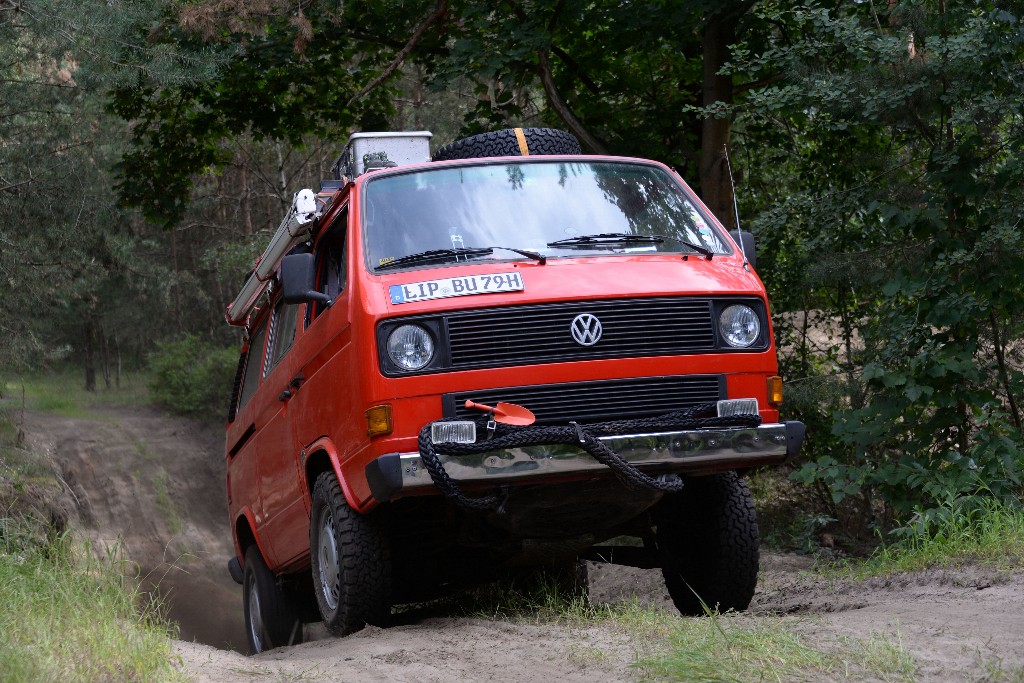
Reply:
x=297, y=280
x=746, y=241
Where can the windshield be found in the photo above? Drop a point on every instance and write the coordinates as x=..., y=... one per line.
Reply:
x=553, y=208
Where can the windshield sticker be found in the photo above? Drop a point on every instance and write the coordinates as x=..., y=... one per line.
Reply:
x=456, y=286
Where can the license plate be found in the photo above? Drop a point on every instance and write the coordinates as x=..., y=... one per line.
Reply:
x=456, y=286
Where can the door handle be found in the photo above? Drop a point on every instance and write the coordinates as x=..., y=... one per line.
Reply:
x=292, y=387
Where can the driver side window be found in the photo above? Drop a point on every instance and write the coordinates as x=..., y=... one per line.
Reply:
x=331, y=266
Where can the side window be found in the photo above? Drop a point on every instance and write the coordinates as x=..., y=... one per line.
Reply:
x=282, y=333
x=253, y=364
x=331, y=269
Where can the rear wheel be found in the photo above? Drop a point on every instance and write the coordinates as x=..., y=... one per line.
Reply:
x=708, y=543
x=351, y=562
x=505, y=143
x=270, y=617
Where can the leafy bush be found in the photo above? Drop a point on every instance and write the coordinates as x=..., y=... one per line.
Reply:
x=192, y=376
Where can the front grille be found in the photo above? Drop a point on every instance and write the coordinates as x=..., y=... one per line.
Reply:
x=598, y=401
x=632, y=328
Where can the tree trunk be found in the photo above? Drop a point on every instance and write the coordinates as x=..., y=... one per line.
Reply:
x=105, y=350
x=117, y=352
x=89, y=355
x=715, y=187
x=246, y=208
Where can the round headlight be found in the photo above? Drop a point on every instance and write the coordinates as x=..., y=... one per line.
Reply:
x=410, y=347
x=739, y=325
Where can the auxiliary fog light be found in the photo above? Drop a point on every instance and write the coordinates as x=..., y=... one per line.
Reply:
x=737, y=406
x=453, y=432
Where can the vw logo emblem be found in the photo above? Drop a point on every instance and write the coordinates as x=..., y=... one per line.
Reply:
x=586, y=329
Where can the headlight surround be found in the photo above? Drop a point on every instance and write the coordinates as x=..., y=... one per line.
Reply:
x=739, y=326
x=410, y=347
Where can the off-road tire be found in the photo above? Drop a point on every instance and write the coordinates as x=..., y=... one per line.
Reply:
x=708, y=543
x=352, y=587
x=270, y=617
x=504, y=143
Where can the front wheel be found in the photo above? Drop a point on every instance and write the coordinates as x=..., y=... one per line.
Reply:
x=708, y=543
x=270, y=617
x=351, y=561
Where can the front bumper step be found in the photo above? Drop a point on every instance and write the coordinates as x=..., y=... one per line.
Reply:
x=692, y=451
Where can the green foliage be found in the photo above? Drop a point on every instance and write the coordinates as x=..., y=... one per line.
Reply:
x=281, y=82
x=66, y=250
x=916, y=246
x=192, y=376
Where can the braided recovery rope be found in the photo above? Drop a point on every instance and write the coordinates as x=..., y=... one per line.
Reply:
x=586, y=437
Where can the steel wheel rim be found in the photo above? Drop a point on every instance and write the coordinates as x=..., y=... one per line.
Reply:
x=330, y=568
x=255, y=619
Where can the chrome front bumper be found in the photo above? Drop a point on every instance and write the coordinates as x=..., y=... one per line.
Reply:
x=693, y=451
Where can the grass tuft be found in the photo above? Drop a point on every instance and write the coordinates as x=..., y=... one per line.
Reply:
x=70, y=615
x=716, y=648
x=975, y=530
x=734, y=648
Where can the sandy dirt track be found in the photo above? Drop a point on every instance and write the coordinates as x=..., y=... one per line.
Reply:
x=155, y=484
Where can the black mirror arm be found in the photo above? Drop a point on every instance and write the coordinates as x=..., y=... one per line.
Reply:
x=319, y=296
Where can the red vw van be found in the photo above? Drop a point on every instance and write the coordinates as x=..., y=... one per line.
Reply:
x=496, y=360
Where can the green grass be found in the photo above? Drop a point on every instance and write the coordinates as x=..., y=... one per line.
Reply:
x=166, y=504
x=62, y=392
x=67, y=613
x=70, y=616
x=716, y=648
x=738, y=648
x=977, y=530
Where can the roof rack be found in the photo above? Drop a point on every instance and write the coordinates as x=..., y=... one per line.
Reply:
x=298, y=225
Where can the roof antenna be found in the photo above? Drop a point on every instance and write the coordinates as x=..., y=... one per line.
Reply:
x=736, y=210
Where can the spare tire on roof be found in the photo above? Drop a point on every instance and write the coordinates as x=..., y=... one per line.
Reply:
x=511, y=142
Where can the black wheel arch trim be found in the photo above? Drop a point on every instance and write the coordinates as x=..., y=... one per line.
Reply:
x=795, y=432
x=384, y=475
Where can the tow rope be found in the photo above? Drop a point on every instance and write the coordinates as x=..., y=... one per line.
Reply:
x=586, y=437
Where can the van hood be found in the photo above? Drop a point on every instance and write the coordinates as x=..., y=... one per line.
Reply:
x=504, y=283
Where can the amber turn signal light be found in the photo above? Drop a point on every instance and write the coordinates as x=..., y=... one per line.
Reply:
x=775, y=390
x=378, y=420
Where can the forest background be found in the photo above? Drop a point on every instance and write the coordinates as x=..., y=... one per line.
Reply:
x=149, y=149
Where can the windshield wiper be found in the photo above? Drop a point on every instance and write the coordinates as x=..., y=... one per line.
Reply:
x=612, y=238
x=539, y=258
x=436, y=255
x=454, y=254
x=605, y=238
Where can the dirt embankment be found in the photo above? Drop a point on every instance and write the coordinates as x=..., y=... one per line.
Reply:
x=155, y=483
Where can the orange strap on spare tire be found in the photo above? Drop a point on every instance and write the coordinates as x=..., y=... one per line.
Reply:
x=524, y=149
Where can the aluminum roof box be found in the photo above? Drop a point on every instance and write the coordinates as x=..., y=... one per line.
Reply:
x=369, y=151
